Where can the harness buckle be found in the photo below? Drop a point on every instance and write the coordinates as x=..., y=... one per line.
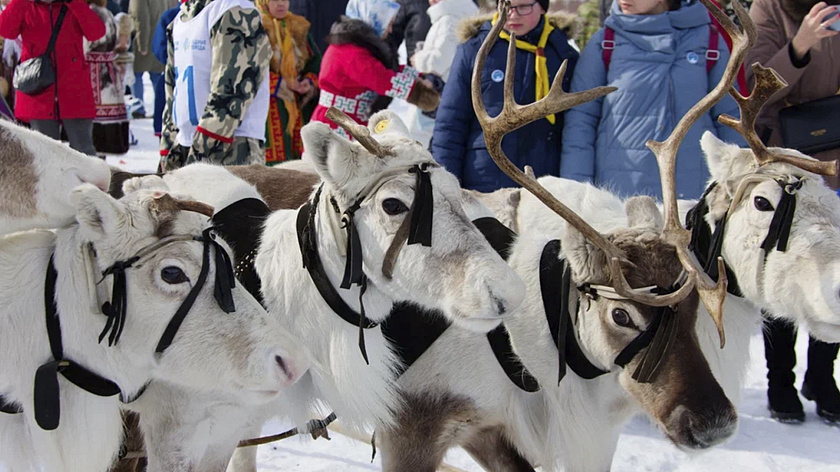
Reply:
x=608, y=44
x=712, y=55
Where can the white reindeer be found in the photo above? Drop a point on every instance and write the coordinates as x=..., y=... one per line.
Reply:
x=37, y=175
x=171, y=329
x=459, y=274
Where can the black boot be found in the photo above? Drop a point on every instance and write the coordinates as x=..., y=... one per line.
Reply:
x=819, y=385
x=783, y=400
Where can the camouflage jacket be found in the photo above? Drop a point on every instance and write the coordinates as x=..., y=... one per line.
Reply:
x=241, y=49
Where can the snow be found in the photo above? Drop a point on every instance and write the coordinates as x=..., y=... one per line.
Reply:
x=760, y=445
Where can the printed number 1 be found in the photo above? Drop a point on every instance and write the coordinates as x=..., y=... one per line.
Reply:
x=190, y=80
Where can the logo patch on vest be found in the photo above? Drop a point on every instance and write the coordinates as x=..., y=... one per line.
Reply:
x=497, y=75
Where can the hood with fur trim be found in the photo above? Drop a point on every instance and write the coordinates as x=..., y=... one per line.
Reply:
x=350, y=31
x=798, y=9
x=565, y=22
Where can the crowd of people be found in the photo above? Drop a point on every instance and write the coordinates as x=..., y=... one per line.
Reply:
x=235, y=80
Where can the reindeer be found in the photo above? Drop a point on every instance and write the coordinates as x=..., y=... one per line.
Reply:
x=37, y=176
x=377, y=194
x=145, y=263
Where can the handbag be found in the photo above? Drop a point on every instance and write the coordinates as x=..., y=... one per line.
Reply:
x=36, y=74
x=811, y=127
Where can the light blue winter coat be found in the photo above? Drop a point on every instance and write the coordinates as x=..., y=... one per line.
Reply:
x=659, y=67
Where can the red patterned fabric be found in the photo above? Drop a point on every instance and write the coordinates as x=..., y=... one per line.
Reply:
x=350, y=79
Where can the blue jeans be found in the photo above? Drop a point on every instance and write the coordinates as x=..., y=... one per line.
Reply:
x=137, y=88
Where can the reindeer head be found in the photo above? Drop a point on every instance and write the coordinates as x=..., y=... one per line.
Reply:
x=682, y=397
x=183, y=320
x=416, y=241
x=799, y=280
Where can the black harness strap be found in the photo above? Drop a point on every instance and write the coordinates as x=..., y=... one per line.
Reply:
x=707, y=246
x=556, y=305
x=779, y=232
x=422, y=208
x=240, y=224
x=307, y=238
x=47, y=402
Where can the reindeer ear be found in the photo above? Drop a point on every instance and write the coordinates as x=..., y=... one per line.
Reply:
x=588, y=263
x=642, y=212
x=725, y=160
x=335, y=158
x=154, y=182
x=97, y=212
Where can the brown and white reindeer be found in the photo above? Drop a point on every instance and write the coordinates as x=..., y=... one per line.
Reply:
x=384, y=203
x=37, y=175
x=457, y=399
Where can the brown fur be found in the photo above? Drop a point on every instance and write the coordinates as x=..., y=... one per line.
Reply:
x=133, y=442
x=492, y=450
x=17, y=168
x=424, y=97
x=427, y=427
x=280, y=188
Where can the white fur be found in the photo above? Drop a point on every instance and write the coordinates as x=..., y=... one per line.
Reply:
x=57, y=170
x=230, y=353
x=459, y=274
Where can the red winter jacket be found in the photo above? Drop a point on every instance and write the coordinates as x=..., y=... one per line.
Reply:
x=32, y=21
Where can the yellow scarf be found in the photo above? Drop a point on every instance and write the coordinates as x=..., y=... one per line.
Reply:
x=542, y=63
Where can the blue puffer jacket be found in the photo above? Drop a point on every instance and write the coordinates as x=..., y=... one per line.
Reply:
x=458, y=142
x=659, y=67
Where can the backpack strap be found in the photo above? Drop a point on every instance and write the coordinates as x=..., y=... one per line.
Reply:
x=713, y=53
x=607, y=46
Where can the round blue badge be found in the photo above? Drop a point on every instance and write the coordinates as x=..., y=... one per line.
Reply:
x=497, y=75
x=692, y=57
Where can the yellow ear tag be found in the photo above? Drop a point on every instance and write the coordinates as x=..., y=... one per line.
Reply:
x=382, y=126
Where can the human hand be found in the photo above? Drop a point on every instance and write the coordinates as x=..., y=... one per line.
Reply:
x=814, y=28
x=284, y=91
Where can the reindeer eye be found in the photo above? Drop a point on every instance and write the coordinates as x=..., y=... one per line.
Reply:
x=762, y=204
x=621, y=317
x=173, y=275
x=392, y=206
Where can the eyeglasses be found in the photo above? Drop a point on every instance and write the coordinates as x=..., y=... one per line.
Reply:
x=524, y=10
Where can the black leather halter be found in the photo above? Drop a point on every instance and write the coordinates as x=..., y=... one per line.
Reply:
x=419, y=220
x=656, y=338
x=708, y=246
x=46, y=392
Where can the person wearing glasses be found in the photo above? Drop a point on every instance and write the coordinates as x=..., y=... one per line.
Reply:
x=663, y=56
x=542, y=45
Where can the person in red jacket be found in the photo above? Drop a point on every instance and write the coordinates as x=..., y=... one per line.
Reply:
x=359, y=67
x=68, y=102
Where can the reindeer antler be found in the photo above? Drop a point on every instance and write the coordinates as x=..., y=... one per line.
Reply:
x=712, y=294
x=360, y=133
x=514, y=116
x=166, y=202
x=767, y=82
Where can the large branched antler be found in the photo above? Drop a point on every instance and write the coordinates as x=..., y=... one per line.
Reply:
x=712, y=294
x=514, y=116
x=767, y=83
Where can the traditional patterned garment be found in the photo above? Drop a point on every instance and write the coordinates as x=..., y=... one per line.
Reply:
x=295, y=56
x=110, y=125
x=234, y=87
x=357, y=67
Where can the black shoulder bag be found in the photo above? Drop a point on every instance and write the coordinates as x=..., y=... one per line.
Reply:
x=35, y=75
x=811, y=127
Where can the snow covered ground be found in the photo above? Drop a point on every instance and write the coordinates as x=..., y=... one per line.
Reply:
x=760, y=445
